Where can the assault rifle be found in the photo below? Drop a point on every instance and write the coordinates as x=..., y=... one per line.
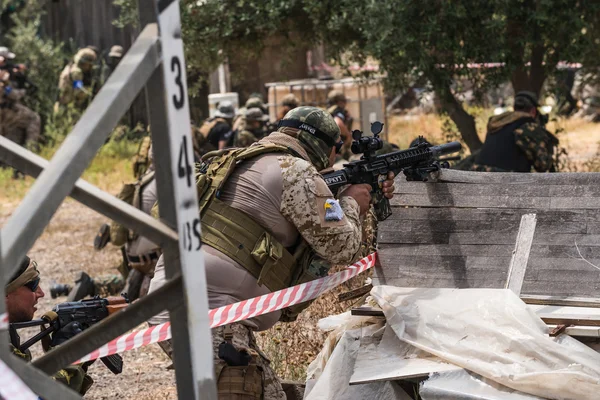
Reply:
x=66, y=320
x=415, y=162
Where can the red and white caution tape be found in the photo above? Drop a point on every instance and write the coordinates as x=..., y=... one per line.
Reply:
x=239, y=311
x=12, y=387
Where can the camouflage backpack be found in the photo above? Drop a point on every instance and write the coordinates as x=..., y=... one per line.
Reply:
x=131, y=194
x=142, y=158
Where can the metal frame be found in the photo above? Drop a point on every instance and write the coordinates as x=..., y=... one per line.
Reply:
x=147, y=64
x=360, y=83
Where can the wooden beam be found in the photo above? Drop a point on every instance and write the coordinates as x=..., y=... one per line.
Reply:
x=356, y=293
x=518, y=263
x=367, y=312
x=561, y=301
x=570, y=319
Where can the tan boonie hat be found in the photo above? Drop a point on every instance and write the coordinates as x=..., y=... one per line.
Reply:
x=290, y=100
x=336, y=95
x=116, y=51
x=26, y=273
x=85, y=55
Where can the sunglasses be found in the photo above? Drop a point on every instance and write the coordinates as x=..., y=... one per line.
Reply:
x=33, y=285
x=338, y=146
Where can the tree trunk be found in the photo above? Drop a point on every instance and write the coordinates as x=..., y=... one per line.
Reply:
x=463, y=120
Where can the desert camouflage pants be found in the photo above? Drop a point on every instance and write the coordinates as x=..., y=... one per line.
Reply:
x=109, y=285
x=20, y=124
x=243, y=338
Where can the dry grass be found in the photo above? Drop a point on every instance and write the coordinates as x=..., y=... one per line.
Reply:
x=111, y=167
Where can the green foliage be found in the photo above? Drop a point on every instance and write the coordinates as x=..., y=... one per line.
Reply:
x=44, y=59
x=431, y=38
x=128, y=13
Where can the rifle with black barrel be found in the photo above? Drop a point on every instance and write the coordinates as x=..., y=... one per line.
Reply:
x=415, y=162
x=66, y=320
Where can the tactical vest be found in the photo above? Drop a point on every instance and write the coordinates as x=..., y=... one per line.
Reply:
x=131, y=194
x=240, y=237
x=334, y=110
x=501, y=151
x=141, y=161
x=201, y=139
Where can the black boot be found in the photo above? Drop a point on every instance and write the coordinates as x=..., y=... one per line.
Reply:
x=84, y=286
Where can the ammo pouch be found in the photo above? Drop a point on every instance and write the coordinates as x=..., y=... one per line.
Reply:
x=239, y=383
x=237, y=235
x=118, y=233
x=131, y=194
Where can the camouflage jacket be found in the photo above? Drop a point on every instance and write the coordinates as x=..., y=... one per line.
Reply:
x=531, y=138
x=244, y=138
x=72, y=88
x=73, y=376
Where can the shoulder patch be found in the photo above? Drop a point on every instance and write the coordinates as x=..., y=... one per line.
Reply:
x=333, y=210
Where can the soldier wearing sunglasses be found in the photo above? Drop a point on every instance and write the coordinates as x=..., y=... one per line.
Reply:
x=22, y=294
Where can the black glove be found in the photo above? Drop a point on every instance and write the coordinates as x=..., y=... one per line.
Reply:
x=233, y=357
x=66, y=333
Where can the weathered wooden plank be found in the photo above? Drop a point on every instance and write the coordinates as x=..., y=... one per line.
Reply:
x=483, y=237
x=409, y=237
x=496, y=189
x=518, y=263
x=390, y=251
x=498, y=214
x=429, y=282
x=491, y=224
x=575, y=319
x=578, y=178
x=574, y=203
x=567, y=239
x=465, y=201
x=467, y=189
x=439, y=262
x=561, y=301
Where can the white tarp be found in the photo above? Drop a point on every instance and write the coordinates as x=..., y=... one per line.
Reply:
x=332, y=369
x=492, y=333
x=462, y=385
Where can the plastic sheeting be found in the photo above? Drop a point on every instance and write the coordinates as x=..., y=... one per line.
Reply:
x=492, y=333
x=461, y=385
x=332, y=383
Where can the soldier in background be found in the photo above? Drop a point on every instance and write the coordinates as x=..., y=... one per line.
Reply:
x=337, y=102
x=17, y=122
x=254, y=128
x=254, y=101
x=75, y=82
x=517, y=141
x=289, y=102
x=215, y=133
x=114, y=58
x=23, y=290
x=139, y=253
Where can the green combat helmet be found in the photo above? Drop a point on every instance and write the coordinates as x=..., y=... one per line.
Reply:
x=255, y=102
x=315, y=129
